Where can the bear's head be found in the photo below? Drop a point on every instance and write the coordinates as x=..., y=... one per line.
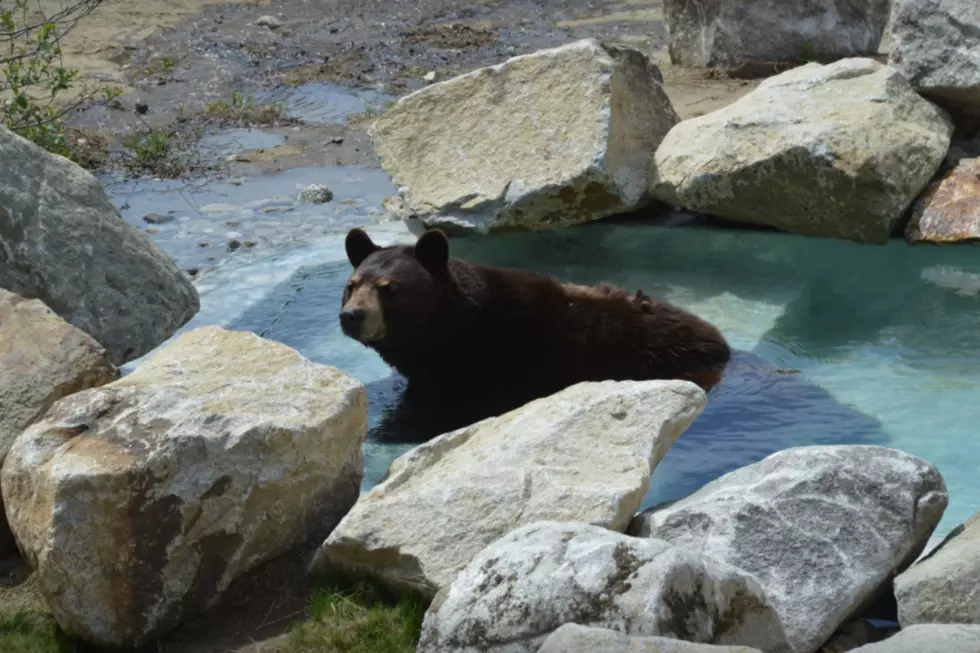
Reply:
x=394, y=292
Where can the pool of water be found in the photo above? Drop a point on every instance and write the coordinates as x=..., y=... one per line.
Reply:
x=837, y=343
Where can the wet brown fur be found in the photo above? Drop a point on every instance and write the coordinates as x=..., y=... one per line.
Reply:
x=461, y=328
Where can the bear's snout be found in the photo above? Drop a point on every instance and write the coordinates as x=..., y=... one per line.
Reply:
x=352, y=320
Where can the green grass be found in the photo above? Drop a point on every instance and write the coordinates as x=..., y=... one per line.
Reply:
x=355, y=619
x=28, y=632
x=357, y=622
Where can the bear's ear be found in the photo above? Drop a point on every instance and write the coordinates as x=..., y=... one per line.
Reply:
x=359, y=246
x=432, y=251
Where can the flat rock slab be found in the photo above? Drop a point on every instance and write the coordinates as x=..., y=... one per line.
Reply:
x=42, y=359
x=553, y=138
x=139, y=502
x=949, y=211
x=63, y=242
x=821, y=528
x=944, y=587
x=532, y=581
x=934, y=44
x=837, y=151
x=931, y=638
x=444, y=501
x=722, y=33
x=572, y=638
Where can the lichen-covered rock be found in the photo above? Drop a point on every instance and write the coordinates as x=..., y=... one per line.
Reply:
x=840, y=150
x=931, y=638
x=944, y=587
x=935, y=45
x=722, y=33
x=822, y=528
x=572, y=638
x=553, y=138
x=541, y=576
x=139, y=502
x=42, y=359
x=584, y=454
x=63, y=242
x=949, y=211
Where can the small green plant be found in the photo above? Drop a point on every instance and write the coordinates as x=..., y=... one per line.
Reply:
x=357, y=620
x=808, y=53
x=242, y=109
x=155, y=151
x=33, y=78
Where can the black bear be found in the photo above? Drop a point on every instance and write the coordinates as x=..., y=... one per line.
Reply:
x=459, y=330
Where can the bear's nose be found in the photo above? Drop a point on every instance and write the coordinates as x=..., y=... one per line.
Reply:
x=351, y=320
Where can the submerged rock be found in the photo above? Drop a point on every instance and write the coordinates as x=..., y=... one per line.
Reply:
x=722, y=33
x=822, y=528
x=949, y=211
x=42, y=359
x=944, y=587
x=139, y=502
x=541, y=576
x=553, y=138
x=63, y=242
x=840, y=150
x=934, y=44
x=932, y=638
x=444, y=501
x=315, y=194
x=572, y=638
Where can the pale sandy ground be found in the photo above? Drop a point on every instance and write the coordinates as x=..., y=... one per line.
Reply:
x=116, y=24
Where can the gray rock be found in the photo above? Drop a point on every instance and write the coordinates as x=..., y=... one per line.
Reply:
x=838, y=151
x=442, y=502
x=158, y=218
x=315, y=194
x=63, y=242
x=553, y=138
x=931, y=638
x=268, y=21
x=572, y=638
x=722, y=33
x=821, y=528
x=535, y=579
x=944, y=587
x=141, y=501
x=935, y=44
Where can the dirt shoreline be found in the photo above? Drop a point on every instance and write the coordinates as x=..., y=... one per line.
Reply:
x=179, y=57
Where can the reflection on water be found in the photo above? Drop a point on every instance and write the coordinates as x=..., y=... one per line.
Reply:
x=885, y=340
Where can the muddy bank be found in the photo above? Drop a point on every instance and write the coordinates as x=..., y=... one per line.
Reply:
x=323, y=61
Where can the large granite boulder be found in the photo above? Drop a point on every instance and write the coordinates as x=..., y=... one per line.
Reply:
x=722, y=33
x=944, y=587
x=553, y=138
x=63, y=242
x=931, y=638
x=572, y=638
x=935, y=45
x=840, y=150
x=527, y=584
x=42, y=359
x=821, y=528
x=949, y=211
x=584, y=454
x=139, y=502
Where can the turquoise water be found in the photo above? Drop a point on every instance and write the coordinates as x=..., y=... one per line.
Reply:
x=884, y=340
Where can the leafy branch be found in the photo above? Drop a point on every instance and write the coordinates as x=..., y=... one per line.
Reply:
x=33, y=76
